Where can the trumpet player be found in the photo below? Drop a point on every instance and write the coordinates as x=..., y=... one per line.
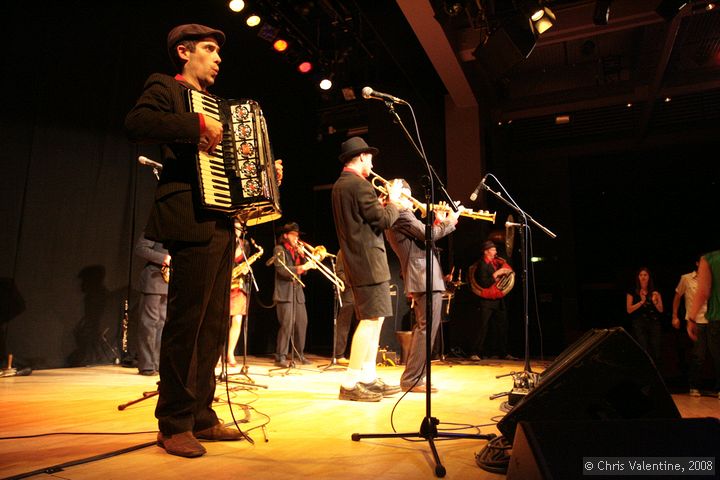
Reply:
x=289, y=296
x=407, y=237
x=359, y=222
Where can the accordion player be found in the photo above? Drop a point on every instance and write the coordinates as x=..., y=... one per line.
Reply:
x=239, y=176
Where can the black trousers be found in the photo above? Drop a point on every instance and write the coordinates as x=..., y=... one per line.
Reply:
x=194, y=332
x=284, y=312
x=492, y=333
x=345, y=320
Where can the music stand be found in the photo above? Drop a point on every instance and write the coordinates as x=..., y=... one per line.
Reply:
x=428, y=426
x=337, y=305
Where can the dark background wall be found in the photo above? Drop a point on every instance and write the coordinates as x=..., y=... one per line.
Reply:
x=74, y=198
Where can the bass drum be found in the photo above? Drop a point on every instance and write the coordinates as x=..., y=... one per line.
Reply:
x=503, y=284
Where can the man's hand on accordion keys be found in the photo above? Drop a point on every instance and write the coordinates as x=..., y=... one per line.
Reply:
x=211, y=136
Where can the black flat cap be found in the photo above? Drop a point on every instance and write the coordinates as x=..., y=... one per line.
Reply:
x=192, y=31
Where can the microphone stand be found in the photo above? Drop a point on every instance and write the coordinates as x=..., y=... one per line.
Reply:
x=428, y=426
x=295, y=280
x=337, y=305
x=526, y=380
x=240, y=229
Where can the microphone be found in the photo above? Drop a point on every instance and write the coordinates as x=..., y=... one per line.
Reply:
x=474, y=194
x=368, y=92
x=512, y=224
x=150, y=163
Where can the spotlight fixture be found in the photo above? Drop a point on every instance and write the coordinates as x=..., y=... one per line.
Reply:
x=326, y=83
x=669, y=8
x=348, y=94
x=305, y=67
x=541, y=20
x=253, y=20
x=602, y=12
x=280, y=45
x=236, y=5
x=268, y=33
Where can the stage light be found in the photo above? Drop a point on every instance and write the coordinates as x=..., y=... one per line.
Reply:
x=537, y=14
x=348, y=94
x=602, y=12
x=305, y=67
x=253, y=21
x=542, y=20
x=268, y=32
x=280, y=45
x=669, y=8
x=325, y=84
x=236, y=5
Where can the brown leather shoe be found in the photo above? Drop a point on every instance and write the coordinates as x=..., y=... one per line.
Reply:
x=219, y=433
x=378, y=386
x=420, y=389
x=181, y=444
x=359, y=394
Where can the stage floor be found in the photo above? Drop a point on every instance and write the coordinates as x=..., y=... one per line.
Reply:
x=308, y=430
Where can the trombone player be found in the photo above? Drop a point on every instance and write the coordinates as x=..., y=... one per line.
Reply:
x=289, y=297
x=407, y=237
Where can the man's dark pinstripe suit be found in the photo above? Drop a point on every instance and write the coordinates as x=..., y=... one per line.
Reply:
x=201, y=245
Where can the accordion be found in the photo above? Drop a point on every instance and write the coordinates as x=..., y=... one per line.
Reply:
x=239, y=177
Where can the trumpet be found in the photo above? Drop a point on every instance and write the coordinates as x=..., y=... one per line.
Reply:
x=421, y=206
x=316, y=256
x=383, y=189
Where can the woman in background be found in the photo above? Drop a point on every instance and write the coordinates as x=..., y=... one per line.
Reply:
x=644, y=306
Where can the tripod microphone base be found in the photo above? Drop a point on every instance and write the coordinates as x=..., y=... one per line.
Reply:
x=428, y=431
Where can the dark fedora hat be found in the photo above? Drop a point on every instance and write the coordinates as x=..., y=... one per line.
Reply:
x=487, y=244
x=289, y=227
x=192, y=31
x=355, y=146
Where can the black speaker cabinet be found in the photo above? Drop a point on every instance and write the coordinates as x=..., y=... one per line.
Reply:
x=559, y=450
x=604, y=375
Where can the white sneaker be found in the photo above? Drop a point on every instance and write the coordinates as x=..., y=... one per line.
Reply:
x=694, y=392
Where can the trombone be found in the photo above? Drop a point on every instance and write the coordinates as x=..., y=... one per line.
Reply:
x=316, y=256
x=420, y=206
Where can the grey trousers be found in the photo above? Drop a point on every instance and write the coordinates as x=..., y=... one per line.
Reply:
x=415, y=367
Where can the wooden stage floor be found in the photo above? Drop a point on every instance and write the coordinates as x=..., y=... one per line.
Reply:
x=307, y=428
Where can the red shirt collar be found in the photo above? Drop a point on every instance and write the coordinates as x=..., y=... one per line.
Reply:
x=180, y=78
x=348, y=169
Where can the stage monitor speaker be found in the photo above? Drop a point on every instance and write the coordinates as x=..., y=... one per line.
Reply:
x=604, y=375
x=561, y=450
